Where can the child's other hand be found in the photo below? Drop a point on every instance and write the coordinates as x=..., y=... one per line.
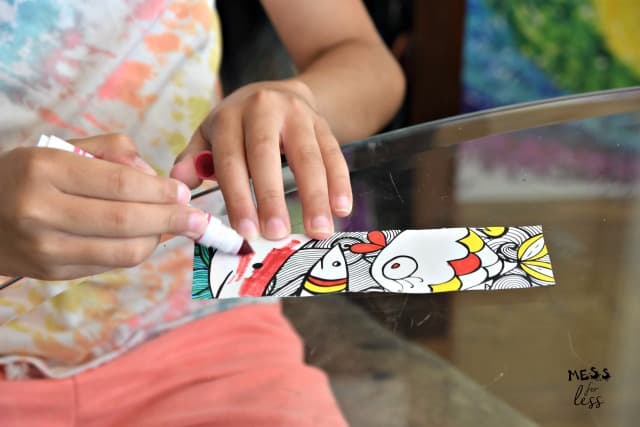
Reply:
x=65, y=216
x=247, y=133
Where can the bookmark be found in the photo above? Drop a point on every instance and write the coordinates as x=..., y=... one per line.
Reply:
x=394, y=261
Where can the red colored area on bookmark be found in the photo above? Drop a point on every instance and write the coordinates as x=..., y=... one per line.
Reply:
x=203, y=162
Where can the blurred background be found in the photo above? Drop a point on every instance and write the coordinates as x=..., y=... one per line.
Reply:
x=469, y=55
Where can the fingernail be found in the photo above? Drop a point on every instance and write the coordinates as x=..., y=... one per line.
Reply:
x=184, y=194
x=342, y=204
x=320, y=224
x=196, y=224
x=248, y=229
x=276, y=229
x=144, y=166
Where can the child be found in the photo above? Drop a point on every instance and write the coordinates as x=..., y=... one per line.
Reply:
x=126, y=80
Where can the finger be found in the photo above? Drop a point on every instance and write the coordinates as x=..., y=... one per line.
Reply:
x=70, y=272
x=230, y=164
x=106, y=252
x=81, y=176
x=335, y=165
x=184, y=168
x=305, y=160
x=105, y=218
x=262, y=141
x=116, y=148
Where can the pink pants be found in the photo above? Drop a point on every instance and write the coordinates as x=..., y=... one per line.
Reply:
x=243, y=367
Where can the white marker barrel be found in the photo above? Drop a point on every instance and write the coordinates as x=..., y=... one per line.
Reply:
x=221, y=237
x=59, y=144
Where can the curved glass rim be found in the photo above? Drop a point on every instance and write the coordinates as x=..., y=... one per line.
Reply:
x=450, y=131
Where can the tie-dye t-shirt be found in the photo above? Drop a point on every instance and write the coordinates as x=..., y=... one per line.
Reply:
x=147, y=68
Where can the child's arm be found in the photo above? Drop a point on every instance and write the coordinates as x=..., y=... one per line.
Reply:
x=357, y=84
x=349, y=86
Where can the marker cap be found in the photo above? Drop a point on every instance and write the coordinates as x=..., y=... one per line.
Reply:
x=203, y=162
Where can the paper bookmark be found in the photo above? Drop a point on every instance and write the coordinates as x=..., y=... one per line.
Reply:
x=398, y=261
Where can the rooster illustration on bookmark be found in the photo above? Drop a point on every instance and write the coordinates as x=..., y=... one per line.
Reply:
x=394, y=261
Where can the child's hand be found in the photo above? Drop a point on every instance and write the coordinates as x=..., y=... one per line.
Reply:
x=64, y=216
x=247, y=133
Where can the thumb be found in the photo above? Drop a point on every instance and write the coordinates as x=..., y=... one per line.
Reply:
x=115, y=148
x=184, y=168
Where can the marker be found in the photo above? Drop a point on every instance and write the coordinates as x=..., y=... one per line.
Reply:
x=217, y=235
x=54, y=142
x=223, y=238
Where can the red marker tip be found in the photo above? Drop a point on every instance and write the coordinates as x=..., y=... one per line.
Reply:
x=245, y=249
x=203, y=162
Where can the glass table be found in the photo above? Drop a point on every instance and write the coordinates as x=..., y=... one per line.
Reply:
x=513, y=357
x=503, y=357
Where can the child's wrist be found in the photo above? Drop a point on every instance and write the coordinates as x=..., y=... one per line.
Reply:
x=302, y=89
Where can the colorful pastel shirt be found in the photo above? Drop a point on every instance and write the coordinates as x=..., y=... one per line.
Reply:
x=147, y=68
